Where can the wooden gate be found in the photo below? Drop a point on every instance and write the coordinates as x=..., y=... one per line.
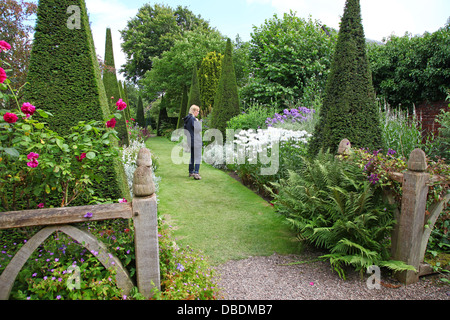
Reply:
x=414, y=222
x=143, y=211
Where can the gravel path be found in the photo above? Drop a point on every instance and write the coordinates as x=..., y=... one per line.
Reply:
x=283, y=278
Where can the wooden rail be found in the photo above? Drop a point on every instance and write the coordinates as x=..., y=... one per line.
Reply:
x=143, y=211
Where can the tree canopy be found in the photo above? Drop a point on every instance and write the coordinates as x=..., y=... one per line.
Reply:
x=153, y=31
x=286, y=52
x=412, y=69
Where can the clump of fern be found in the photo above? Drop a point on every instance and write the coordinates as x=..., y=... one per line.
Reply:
x=332, y=205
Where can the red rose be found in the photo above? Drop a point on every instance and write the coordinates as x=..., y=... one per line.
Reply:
x=5, y=46
x=28, y=108
x=10, y=117
x=81, y=157
x=121, y=105
x=111, y=123
x=2, y=75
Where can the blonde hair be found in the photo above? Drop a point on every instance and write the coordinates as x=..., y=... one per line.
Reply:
x=194, y=108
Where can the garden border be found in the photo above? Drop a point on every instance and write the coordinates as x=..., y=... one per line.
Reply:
x=143, y=211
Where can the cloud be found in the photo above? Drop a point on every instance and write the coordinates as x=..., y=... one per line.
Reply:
x=112, y=14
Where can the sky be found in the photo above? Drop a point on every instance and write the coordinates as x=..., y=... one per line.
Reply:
x=381, y=18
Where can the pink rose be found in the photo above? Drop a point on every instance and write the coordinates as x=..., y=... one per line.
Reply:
x=121, y=105
x=111, y=123
x=32, y=156
x=10, y=117
x=5, y=46
x=28, y=109
x=3, y=76
x=33, y=163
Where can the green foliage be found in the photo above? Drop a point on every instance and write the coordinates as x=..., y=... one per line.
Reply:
x=400, y=131
x=226, y=102
x=194, y=92
x=253, y=117
x=285, y=53
x=113, y=88
x=349, y=108
x=441, y=144
x=172, y=71
x=140, y=117
x=332, y=205
x=183, y=109
x=208, y=78
x=164, y=122
x=411, y=69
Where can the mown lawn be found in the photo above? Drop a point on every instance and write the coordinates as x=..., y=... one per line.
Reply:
x=217, y=215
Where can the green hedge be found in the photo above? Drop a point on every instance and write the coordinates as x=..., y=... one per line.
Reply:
x=64, y=78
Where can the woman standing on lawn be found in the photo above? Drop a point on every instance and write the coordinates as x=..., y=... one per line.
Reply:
x=194, y=127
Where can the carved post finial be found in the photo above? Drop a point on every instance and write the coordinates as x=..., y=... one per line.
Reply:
x=143, y=185
x=344, y=147
x=417, y=161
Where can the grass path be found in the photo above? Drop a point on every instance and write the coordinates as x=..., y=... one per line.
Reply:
x=217, y=215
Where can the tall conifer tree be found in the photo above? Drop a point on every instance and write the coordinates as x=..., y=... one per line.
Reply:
x=349, y=108
x=64, y=78
x=140, y=116
x=208, y=79
x=183, y=109
x=226, y=102
x=113, y=88
x=194, y=93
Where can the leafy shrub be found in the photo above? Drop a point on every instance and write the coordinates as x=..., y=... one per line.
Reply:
x=252, y=118
x=332, y=205
x=400, y=131
x=441, y=145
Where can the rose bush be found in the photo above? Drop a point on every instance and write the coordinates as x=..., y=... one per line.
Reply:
x=38, y=167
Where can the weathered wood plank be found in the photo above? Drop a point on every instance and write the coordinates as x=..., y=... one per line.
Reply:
x=60, y=216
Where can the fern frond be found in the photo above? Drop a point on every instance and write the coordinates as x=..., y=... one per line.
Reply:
x=396, y=265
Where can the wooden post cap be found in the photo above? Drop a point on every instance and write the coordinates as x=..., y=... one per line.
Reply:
x=417, y=161
x=143, y=185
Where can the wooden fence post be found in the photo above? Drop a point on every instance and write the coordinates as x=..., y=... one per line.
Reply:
x=145, y=225
x=410, y=224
